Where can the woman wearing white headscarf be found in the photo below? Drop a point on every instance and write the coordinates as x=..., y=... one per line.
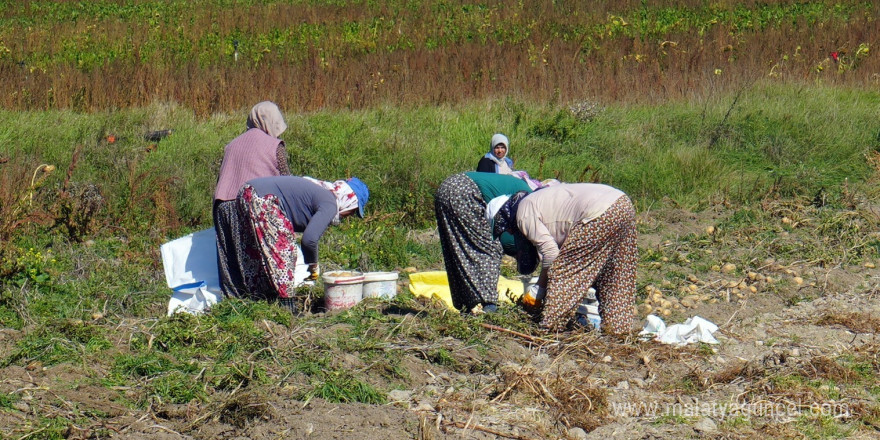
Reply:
x=278, y=209
x=496, y=160
x=258, y=152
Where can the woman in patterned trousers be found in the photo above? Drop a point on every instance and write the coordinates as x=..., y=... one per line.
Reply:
x=586, y=236
x=472, y=257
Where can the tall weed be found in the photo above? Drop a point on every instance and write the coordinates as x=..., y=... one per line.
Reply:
x=785, y=139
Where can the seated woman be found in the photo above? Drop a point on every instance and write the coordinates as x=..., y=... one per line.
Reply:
x=496, y=161
x=277, y=209
x=586, y=236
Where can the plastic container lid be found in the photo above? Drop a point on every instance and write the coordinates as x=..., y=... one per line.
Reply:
x=343, y=277
x=380, y=276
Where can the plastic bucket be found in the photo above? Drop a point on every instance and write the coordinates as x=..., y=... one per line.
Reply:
x=380, y=285
x=342, y=289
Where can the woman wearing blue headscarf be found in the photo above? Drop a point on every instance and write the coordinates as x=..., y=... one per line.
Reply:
x=279, y=210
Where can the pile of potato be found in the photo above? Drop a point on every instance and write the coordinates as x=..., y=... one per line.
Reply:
x=696, y=292
x=661, y=305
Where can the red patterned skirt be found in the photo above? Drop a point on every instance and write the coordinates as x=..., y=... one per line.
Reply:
x=275, y=239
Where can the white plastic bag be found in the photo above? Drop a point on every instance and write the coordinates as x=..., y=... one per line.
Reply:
x=190, y=264
x=694, y=329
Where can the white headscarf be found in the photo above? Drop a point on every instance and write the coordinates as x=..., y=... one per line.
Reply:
x=493, y=206
x=267, y=117
x=505, y=164
x=345, y=197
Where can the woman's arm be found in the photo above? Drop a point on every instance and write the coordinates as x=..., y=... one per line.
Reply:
x=319, y=222
x=281, y=157
x=486, y=165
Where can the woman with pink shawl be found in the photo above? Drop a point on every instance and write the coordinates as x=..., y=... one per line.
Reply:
x=258, y=152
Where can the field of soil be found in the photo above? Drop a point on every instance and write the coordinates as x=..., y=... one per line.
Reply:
x=797, y=357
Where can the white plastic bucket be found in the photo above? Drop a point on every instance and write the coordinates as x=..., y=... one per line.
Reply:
x=380, y=285
x=342, y=289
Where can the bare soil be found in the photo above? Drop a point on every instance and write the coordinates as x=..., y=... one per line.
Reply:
x=776, y=373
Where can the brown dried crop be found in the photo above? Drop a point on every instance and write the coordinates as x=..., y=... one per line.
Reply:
x=854, y=321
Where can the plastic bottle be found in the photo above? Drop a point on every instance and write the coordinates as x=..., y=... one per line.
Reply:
x=588, y=311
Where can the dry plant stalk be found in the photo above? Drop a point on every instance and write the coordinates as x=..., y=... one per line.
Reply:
x=572, y=396
x=17, y=184
x=530, y=338
x=325, y=73
x=485, y=429
x=855, y=321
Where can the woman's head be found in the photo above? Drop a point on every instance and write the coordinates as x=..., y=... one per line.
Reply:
x=500, y=146
x=351, y=195
x=504, y=218
x=267, y=117
x=361, y=192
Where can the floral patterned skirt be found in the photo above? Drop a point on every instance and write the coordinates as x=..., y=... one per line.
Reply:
x=275, y=239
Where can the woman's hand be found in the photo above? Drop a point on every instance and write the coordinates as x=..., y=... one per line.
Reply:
x=543, y=278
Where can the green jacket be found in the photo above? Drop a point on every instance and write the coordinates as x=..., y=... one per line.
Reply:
x=493, y=185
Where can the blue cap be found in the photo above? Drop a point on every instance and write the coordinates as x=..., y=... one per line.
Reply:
x=361, y=192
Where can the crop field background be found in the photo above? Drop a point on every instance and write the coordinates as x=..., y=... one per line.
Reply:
x=747, y=133
x=216, y=56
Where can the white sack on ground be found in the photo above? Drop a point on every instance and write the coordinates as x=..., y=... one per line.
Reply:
x=693, y=330
x=190, y=264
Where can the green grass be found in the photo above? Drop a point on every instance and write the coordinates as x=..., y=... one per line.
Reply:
x=823, y=426
x=777, y=138
x=97, y=300
x=341, y=387
x=671, y=419
x=6, y=400
x=60, y=341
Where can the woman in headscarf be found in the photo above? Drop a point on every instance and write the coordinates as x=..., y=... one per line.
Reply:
x=471, y=256
x=279, y=208
x=496, y=160
x=258, y=152
x=586, y=236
